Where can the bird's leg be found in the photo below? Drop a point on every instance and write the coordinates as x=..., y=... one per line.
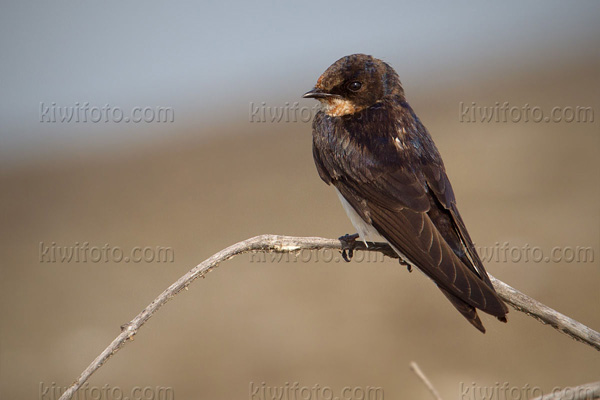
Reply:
x=348, y=244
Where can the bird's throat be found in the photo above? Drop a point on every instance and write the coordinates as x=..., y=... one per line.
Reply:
x=337, y=107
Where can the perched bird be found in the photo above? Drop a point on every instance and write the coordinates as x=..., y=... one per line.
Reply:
x=369, y=144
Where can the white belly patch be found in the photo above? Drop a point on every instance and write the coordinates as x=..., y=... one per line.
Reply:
x=365, y=231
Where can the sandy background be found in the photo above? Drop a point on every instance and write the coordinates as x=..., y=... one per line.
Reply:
x=332, y=324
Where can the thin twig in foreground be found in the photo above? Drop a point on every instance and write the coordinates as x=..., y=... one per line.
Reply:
x=421, y=375
x=290, y=244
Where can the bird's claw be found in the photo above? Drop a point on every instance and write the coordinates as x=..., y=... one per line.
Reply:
x=348, y=244
x=406, y=264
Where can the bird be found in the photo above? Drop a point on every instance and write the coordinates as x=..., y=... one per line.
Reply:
x=369, y=144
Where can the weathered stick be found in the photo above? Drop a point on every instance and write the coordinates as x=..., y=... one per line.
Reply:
x=290, y=244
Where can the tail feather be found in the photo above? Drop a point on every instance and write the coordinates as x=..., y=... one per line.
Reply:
x=469, y=312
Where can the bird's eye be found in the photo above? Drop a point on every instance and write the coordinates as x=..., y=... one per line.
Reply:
x=354, y=86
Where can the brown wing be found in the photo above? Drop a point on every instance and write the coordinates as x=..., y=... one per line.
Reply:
x=415, y=236
x=458, y=237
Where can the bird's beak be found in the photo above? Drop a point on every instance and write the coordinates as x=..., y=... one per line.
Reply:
x=316, y=93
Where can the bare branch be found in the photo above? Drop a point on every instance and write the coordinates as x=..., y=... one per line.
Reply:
x=546, y=315
x=290, y=244
x=421, y=375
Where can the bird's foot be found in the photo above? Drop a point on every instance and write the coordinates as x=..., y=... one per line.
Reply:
x=348, y=245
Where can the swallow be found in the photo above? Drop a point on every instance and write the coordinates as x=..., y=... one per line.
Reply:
x=369, y=144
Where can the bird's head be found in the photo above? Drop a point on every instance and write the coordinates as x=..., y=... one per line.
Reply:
x=353, y=83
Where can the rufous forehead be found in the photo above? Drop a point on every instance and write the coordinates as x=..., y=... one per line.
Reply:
x=327, y=81
x=319, y=84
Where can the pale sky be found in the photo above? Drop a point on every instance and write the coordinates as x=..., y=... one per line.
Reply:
x=202, y=58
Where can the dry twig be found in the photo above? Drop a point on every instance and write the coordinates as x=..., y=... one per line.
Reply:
x=289, y=244
x=421, y=375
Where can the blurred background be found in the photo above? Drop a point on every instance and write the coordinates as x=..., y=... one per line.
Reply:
x=205, y=161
